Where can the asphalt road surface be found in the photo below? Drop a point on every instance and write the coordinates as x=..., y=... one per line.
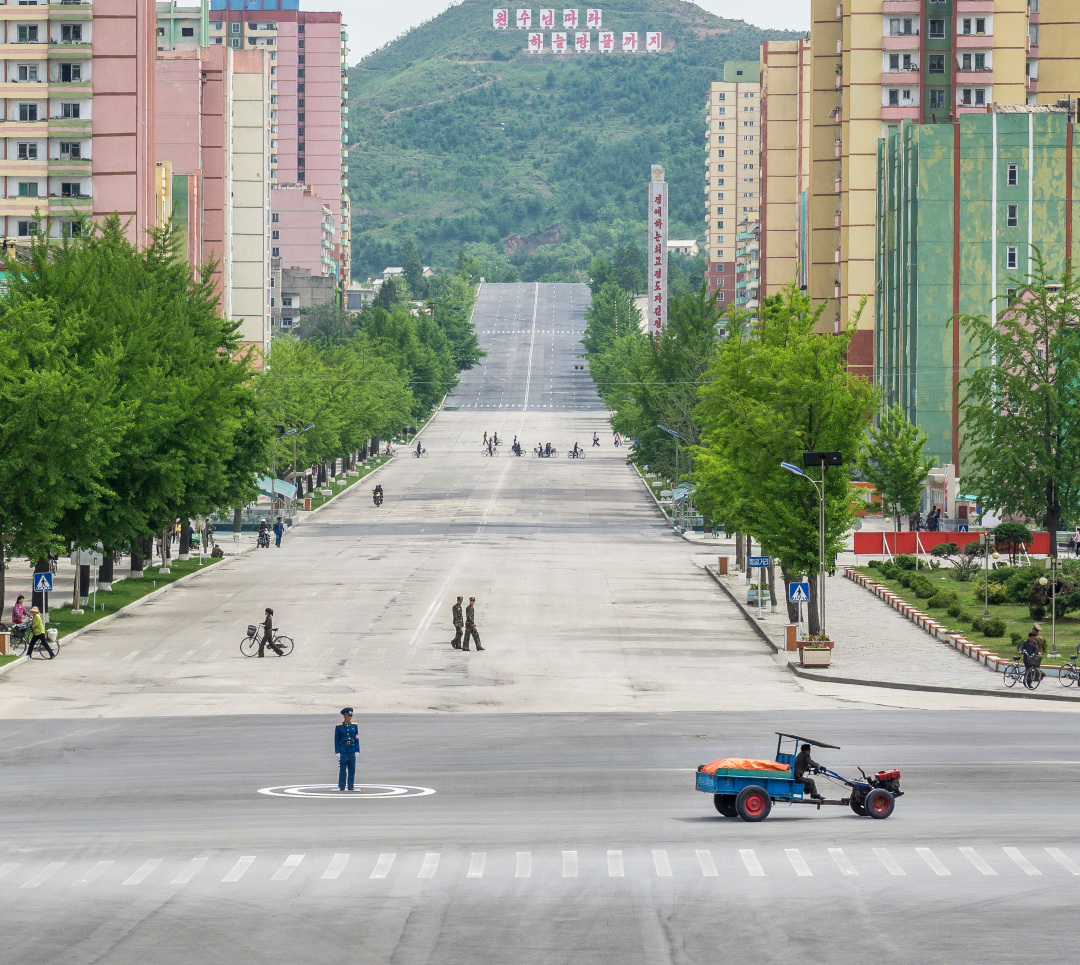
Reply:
x=532, y=803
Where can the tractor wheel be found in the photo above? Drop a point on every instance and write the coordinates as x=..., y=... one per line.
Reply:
x=858, y=807
x=880, y=803
x=725, y=804
x=753, y=803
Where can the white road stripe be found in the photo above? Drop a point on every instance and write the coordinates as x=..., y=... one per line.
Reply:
x=523, y=867
x=239, y=868
x=430, y=865
x=158, y=656
x=133, y=655
x=1064, y=860
x=383, y=865
x=476, y=864
x=977, y=860
x=569, y=864
x=44, y=875
x=93, y=874
x=752, y=864
x=291, y=863
x=614, y=864
x=143, y=872
x=336, y=866
x=798, y=862
x=193, y=867
x=932, y=860
x=1021, y=862
x=842, y=862
x=186, y=656
x=663, y=865
x=708, y=866
x=215, y=655
x=889, y=861
x=6, y=869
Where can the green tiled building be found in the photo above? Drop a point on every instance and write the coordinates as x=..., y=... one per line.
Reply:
x=959, y=206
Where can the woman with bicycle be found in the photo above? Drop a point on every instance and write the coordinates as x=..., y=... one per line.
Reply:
x=267, y=639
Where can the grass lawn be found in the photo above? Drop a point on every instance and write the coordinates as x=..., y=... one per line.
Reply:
x=1016, y=616
x=7, y=659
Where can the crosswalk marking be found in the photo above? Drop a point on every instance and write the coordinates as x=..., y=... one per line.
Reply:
x=663, y=865
x=94, y=873
x=133, y=655
x=291, y=863
x=708, y=866
x=977, y=861
x=523, y=865
x=430, y=865
x=238, y=869
x=476, y=865
x=214, y=655
x=158, y=656
x=569, y=864
x=932, y=860
x=190, y=870
x=187, y=656
x=383, y=865
x=1021, y=862
x=144, y=870
x=614, y=864
x=336, y=866
x=752, y=864
x=45, y=874
x=798, y=862
x=1064, y=860
x=891, y=864
x=842, y=862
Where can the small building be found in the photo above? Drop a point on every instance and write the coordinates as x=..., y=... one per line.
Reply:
x=690, y=247
x=296, y=290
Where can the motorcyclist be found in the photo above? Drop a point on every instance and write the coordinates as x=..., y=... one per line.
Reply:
x=377, y=494
x=264, y=532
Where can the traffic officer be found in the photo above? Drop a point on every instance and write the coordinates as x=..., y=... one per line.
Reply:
x=346, y=746
x=470, y=625
x=459, y=624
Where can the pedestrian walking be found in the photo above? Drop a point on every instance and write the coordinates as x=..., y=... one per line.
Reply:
x=267, y=638
x=459, y=624
x=1076, y=540
x=346, y=746
x=279, y=531
x=38, y=637
x=470, y=625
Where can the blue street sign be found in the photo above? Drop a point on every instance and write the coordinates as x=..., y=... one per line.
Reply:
x=798, y=593
x=43, y=582
x=757, y=561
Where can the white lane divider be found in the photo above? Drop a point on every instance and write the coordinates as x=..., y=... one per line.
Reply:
x=190, y=870
x=614, y=864
x=569, y=864
x=1021, y=862
x=523, y=865
x=44, y=875
x=977, y=860
x=662, y=863
x=708, y=866
x=798, y=862
x=430, y=865
x=142, y=873
x=336, y=866
x=291, y=863
x=238, y=869
x=476, y=864
x=750, y=859
x=842, y=862
x=891, y=864
x=1064, y=860
x=383, y=865
x=933, y=861
x=93, y=874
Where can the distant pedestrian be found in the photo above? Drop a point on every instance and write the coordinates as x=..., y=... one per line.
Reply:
x=470, y=625
x=459, y=624
x=595, y=439
x=346, y=746
x=1076, y=540
x=279, y=531
x=485, y=437
x=618, y=439
x=39, y=638
x=915, y=521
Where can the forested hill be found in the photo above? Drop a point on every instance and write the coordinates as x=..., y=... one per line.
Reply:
x=462, y=139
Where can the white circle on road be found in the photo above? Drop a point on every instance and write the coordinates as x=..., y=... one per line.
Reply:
x=362, y=791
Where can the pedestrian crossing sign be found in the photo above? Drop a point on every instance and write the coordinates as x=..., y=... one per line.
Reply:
x=798, y=592
x=43, y=582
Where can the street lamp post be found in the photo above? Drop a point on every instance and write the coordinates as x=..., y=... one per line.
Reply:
x=296, y=432
x=672, y=432
x=986, y=580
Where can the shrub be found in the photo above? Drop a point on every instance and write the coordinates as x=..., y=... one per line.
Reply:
x=1010, y=537
x=1021, y=581
x=890, y=572
x=996, y=593
x=874, y=565
x=955, y=610
x=977, y=624
x=1016, y=638
x=993, y=628
x=906, y=562
x=943, y=599
x=923, y=588
x=905, y=579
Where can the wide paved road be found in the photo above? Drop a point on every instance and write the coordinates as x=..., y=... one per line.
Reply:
x=537, y=798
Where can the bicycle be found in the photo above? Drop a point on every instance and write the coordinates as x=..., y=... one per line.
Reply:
x=580, y=454
x=420, y=453
x=249, y=646
x=1013, y=674
x=494, y=451
x=1070, y=673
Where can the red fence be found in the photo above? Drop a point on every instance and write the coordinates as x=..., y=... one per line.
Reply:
x=873, y=544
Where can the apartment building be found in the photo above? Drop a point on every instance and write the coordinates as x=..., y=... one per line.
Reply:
x=302, y=230
x=182, y=25
x=732, y=194
x=747, y=267
x=959, y=206
x=309, y=97
x=76, y=129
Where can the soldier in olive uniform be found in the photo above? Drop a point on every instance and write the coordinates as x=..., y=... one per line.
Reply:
x=459, y=624
x=470, y=626
x=346, y=746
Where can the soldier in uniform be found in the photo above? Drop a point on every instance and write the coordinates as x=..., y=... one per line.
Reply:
x=470, y=625
x=459, y=624
x=346, y=746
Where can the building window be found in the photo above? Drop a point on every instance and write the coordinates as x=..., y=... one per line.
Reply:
x=28, y=73
x=965, y=96
x=300, y=72
x=937, y=29
x=286, y=322
x=28, y=151
x=894, y=61
x=71, y=33
x=187, y=31
x=980, y=61
x=1010, y=256
x=28, y=189
x=234, y=28
x=1012, y=216
x=70, y=73
x=980, y=97
x=274, y=217
x=28, y=33
x=69, y=110
x=299, y=132
x=161, y=31
x=936, y=63
x=300, y=58
x=966, y=26
x=275, y=234
x=1014, y=175
x=276, y=252
x=236, y=43
x=27, y=228
x=980, y=25
x=937, y=99
x=70, y=150
x=894, y=98
x=28, y=112
x=719, y=296
x=216, y=25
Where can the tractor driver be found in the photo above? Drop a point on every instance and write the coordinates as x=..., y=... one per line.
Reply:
x=805, y=764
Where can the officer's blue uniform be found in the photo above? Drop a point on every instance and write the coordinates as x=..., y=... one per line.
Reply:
x=346, y=746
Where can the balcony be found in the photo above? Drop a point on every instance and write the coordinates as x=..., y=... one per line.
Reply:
x=964, y=7
x=80, y=202
x=974, y=78
x=897, y=113
x=895, y=7
x=67, y=51
x=974, y=41
x=900, y=78
x=72, y=11
x=12, y=167
x=1033, y=85
x=901, y=41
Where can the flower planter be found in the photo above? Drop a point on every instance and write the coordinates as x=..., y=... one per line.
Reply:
x=818, y=656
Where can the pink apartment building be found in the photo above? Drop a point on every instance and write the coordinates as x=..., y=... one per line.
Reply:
x=301, y=230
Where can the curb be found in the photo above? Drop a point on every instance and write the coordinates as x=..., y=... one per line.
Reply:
x=14, y=663
x=757, y=627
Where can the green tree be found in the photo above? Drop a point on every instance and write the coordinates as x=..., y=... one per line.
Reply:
x=412, y=269
x=892, y=460
x=329, y=323
x=1021, y=402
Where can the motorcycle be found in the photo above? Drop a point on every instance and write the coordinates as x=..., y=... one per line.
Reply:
x=377, y=497
x=264, y=539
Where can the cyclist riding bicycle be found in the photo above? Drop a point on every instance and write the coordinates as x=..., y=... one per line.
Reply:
x=1029, y=650
x=575, y=451
x=547, y=450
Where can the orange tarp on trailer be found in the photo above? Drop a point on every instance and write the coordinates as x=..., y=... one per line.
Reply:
x=742, y=764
